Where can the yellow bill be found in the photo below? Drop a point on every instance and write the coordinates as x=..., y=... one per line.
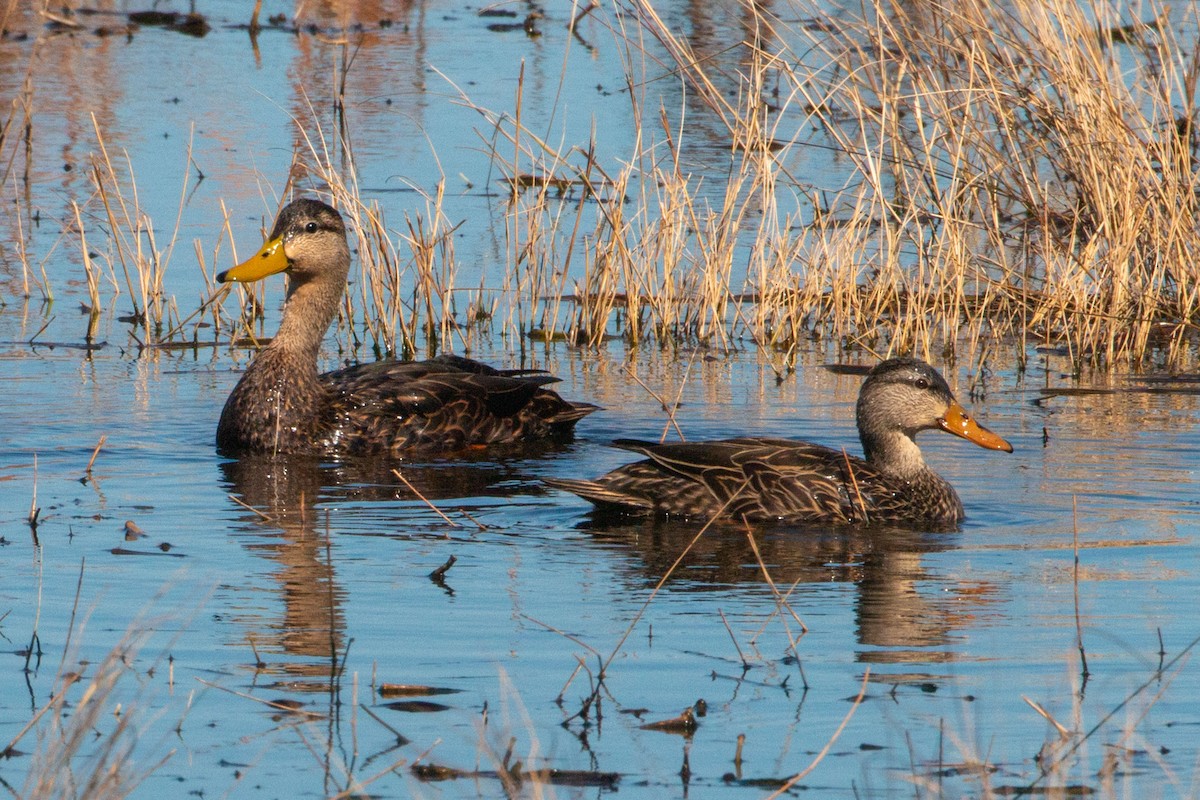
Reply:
x=267, y=261
x=959, y=422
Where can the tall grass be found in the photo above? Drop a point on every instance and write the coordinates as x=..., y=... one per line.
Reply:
x=1013, y=173
x=132, y=244
x=89, y=733
x=118, y=249
x=1009, y=174
x=1024, y=169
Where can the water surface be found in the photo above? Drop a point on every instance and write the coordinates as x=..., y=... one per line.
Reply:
x=308, y=581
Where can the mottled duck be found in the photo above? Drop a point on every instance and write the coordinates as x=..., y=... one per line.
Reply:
x=765, y=479
x=282, y=405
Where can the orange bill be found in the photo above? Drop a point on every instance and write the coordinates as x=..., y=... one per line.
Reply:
x=267, y=261
x=957, y=421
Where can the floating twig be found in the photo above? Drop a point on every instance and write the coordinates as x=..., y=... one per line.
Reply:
x=423, y=499
x=96, y=452
x=439, y=574
x=745, y=664
x=685, y=724
x=34, y=511
x=288, y=706
x=1063, y=733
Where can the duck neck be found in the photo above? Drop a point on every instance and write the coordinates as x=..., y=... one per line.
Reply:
x=277, y=405
x=893, y=452
x=308, y=311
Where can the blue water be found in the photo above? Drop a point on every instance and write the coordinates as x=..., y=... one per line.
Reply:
x=328, y=583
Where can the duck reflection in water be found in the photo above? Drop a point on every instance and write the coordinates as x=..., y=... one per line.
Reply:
x=285, y=522
x=903, y=611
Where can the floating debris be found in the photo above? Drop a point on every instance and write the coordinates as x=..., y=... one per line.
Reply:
x=439, y=574
x=413, y=690
x=1071, y=790
x=1182, y=387
x=685, y=724
x=544, y=335
x=755, y=783
x=1134, y=33
x=529, y=181
x=528, y=25
x=517, y=774
x=121, y=551
x=287, y=704
x=192, y=24
x=437, y=772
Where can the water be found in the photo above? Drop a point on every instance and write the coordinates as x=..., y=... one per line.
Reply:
x=321, y=594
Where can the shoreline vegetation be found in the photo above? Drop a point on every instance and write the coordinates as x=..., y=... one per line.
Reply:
x=1017, y=176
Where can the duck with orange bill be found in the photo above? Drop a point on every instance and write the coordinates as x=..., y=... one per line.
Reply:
x=786, y=480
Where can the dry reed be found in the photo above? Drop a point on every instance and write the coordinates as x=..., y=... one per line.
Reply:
x=86, y=747
x=1007, y=182
x=1016, y=172
x=1013, y=176
x=1009, y=176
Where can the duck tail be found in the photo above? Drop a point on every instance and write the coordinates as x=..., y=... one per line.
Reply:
x=600, y=495
x=573, y=412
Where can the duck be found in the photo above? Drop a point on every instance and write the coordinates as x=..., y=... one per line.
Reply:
x=760, y=479
x=283, y=405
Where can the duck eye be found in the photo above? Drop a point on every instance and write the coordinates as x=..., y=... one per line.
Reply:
x=922, y=383
x=310, y=227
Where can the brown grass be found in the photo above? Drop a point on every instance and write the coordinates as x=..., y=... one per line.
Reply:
x=1012, y=177
x=86, y=744
x=1008, y=176
x=1017, y=173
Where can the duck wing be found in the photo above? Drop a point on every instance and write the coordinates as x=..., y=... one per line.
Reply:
x=750, y=477
x=443, y=404
x=449, y=362
x=544, y=405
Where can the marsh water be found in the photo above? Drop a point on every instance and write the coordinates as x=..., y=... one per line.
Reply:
x=282, y=625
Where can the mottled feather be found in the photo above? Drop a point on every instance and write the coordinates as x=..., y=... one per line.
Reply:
x=760, y=479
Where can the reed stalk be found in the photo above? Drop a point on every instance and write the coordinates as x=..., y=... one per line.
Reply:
x=87, y=744
x=1006, y=179
x=1009, y=176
